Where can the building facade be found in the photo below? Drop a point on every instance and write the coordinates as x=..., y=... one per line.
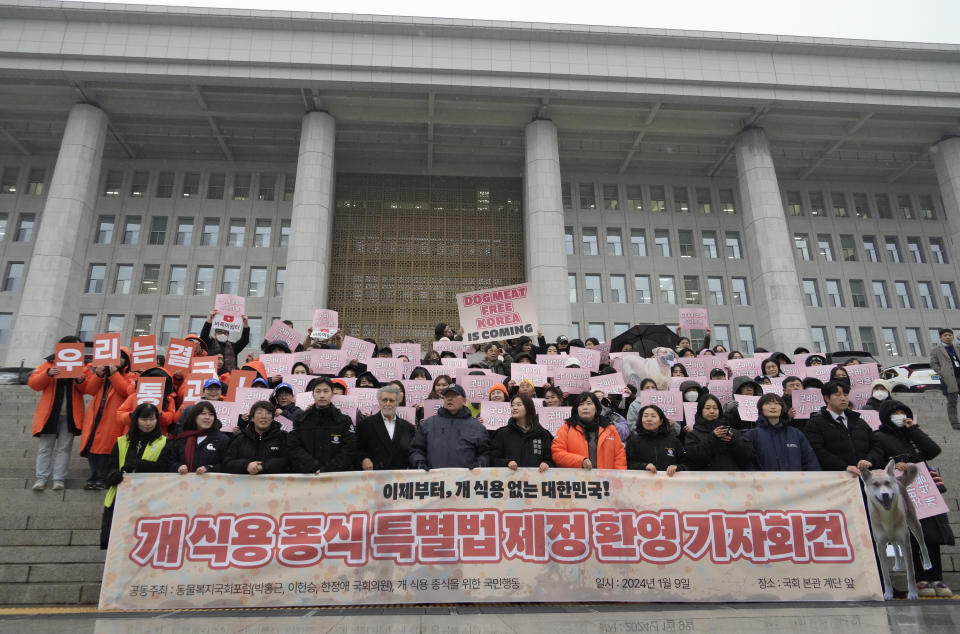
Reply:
x=805, y=190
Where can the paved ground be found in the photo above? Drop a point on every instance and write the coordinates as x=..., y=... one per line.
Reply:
x=927, y=616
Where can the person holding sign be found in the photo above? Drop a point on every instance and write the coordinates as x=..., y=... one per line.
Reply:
x=523, y=442
x=109, y=385
x=902, y=441
x=451, y=437
x=58, y=417
x=653, y=446
x=777, y=445
x=586, y=441
x=712, y=444
x=220, y=342
x=168, y=413
x=322, y=439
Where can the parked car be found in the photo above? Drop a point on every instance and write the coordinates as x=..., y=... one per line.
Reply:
x=842, y=356
x=911, y=377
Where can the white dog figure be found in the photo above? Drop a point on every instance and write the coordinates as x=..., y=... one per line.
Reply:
x=893, y=518
x=657, y=367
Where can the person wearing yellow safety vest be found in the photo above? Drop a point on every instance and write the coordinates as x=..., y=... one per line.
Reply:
x=142, y=450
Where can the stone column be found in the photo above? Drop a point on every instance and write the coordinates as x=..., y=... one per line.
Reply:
x=946, y=160
x=55, y=275
x=544, y=258
x=311, y=223
x=776, y=287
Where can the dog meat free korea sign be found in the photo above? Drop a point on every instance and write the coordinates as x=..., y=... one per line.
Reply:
x=493, y=535
x=498, y=313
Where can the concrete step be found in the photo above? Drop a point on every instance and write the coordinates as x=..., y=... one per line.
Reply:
x=49, y=593
x=49, y=537
x=51, y=554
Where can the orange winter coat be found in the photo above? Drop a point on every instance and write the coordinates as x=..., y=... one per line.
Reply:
x=168, y=413
x=101, y=422
x=47, y=385
x=570, y=447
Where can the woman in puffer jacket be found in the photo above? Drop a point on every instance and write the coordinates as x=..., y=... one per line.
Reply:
x=653, y=446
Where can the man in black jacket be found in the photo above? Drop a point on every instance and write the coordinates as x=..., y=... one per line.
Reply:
x=839, y=437
x=383, y=440
x=323, y=439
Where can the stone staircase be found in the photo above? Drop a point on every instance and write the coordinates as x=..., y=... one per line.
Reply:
x=49, y=541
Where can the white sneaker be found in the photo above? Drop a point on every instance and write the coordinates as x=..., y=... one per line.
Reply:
x=39, y=485
x=57, y=485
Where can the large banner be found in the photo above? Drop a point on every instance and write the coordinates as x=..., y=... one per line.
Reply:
x=453, y=535
x=499, y=313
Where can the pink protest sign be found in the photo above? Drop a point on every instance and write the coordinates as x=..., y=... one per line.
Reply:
x=430, y=407
x=285, y=423
x=701, y=366
x=453, y=363
x=327, y=361
x=407, y=413
x=608, y=383
x=588, y=357
x=416, y=391
x=494, y=415
x=276, y=364
x=498, y=313
x=604, y=350
x=870, y=417
x=297, y=381
x=677, y=381
x=722, y=389
x=552, y=362
x=670, y=402
x=354, y=348
x=806, y=402
x=791, y=369
x=304, y=399
x=694, y=319
x=227, y=413
x=478, y=386
x=324, y=323
x=279, y=331
x=456, y=347
x=925, y=495
x=801, y=359
x=821, y=372
x=747, y=407
x=347, y=404
x=385, y=369
x=689, y=414
x=552, y=417
x=776, y=387
x=230, y=322
x=411, y=351
x=572, y=380
x=247, y=396
x=409, y=366
x=859, y=396
x=744, y=367
x=235, y=304
x=536, y=373
x=862, y=374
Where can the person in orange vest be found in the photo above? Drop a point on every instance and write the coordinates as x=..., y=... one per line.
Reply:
x=109, y=386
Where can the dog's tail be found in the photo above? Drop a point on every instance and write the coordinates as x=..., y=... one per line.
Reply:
x=909, y=475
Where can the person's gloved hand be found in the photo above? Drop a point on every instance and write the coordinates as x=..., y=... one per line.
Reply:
x=113, y=478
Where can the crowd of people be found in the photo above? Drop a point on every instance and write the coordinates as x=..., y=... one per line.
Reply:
x=118, y=435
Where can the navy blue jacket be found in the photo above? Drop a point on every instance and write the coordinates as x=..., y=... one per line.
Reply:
x=782, y=447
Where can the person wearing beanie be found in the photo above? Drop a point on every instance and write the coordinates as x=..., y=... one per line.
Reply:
x=879, y=393
x=286, y=403
x=498, y=392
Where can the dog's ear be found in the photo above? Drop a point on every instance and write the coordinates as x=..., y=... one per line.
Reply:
x=891, y=468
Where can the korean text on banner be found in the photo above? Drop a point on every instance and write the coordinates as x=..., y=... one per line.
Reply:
x=325, y=323
x=670, y=402
x=399, y=537
x=230, y=322
x=589, y=358
x=924, y=494
x=106, y=350
x=279, y=331
x=694, y=319
x=354, y=348
x=235, y=304
x=179, y=353
x=68, y=357
x=143, y=352
x=505, y=312
x=150, y=390
x=806, y=402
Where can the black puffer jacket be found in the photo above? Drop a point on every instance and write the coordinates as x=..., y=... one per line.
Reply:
x=838, y=446
x=323, y=439
x=661, y=448
x=527, y=448
x=706, y=452
x=248, y=446
x=208, y=454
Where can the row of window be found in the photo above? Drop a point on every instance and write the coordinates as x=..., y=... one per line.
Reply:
x=861, y=205
x=834, y=298
x=871, y=249
x=592, y=292
x=687, y=248
x=185, y=228
x=720, y=334
x=889, y=338
x=653, y=198
x=171, y=326
x=10, y=180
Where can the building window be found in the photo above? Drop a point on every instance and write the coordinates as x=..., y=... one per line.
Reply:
x=891, y=342
x=838, y=200
x=281, y=280
x=261, y=232
x=738, y=291
x=138, y=186
x=880, y=294
x=231, y=280
x=105, y=225
x=591, y=289
x=709, y=241
x=8, y=182
x=704, y=204
x=177, y=282
x=123, y=279
x=572, y=287
x=211, y=232
x=842, y=336
x=191, y=185
x=289, y=186
x=3, y=225
x=794, y=204
x=937, y=252
x=848, y=248
x=721, y=335
x=641, y=288
x=661, y=241
x=24, y=231
x=150, y=281
x=6, y=325
x=169, y=328
x=257, y=286
x=196, y=323
x=810, y=293
x=933, y=336
x=268, y=183
x=237, y=234
x=834, y=295
x=614, y=242
x=685, y=241
x=733, y=245
x=284, y=238
x=204, y=281
x=915, y=250
x=13, y=277
x=747, y=340
x=588, y=197
x=95, y=275
x=618, y=289
x=691, y=289
x=590, y=241
x=715, y=290
x=215, y=185
x=903, y=294
x=87, y=327
x=893, y=249
x=36, y=178
x=634, y=198
x=131, y=230
x=819, y=336
x=113, y=183
x=927, y=210
x=638, y=242
x=115, y=324
x=870, y=249
x=861, y=206
x=568, y=240
x=801, y=243
x=575, y=330
x=949, y=294
x=158, y=230
x=596, y=329
x=727, y=203
x=681, y=199
x=912, y=338
x=658, y=199
x=858, y=294
x=925, y=292
x=165, y=185
x=241, y=186
x=668, y=293
x=611, y=197
x=142, y=325
x=184, y=232
x=906, y=206
x=883, y=206
x=565, y=196
x=825, y=246
x=619, y=328
x=817, y=206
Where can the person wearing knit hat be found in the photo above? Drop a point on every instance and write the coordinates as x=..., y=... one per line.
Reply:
x=498, y=392
x=341, y=384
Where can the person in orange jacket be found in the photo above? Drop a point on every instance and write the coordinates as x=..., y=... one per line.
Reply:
x=57, y=419
x=586, y=440
x=109, y=386
x=168, y=413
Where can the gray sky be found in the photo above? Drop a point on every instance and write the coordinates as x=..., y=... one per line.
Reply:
x=898, y=20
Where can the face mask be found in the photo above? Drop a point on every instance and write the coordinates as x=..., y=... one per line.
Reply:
x=222, y=338
x=879, y=394
x=690, y=396
x=898, y=419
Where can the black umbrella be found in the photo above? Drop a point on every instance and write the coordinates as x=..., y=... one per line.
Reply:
x=645, y=337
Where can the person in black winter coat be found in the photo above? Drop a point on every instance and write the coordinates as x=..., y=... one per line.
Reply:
x=712, y=445
x=745, y=386
x=260, y=447
x=201, y=446
x=523, y=442
x=902, y=440
x=777, y=445
x=285, y=402
x=383, y=440
x=652, y=445
x=323, y=438
x=841, y=439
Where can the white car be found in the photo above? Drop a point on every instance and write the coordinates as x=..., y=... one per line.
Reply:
x=911, y=377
